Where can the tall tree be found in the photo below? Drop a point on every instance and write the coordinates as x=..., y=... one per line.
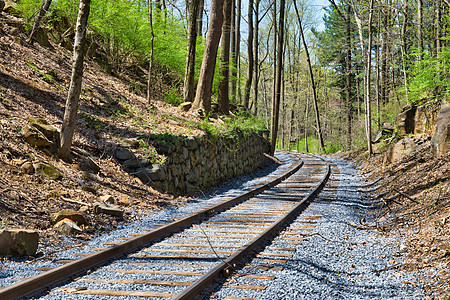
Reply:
x=256, y=60
x=201, y=6
x=189, y=77
x=277, y=87
x=311, y=76
x=79, y=50
x=420, y=28
x=223, y=93
x=248, y=82
x=205, y=81
x=44, y=8
x=152, y=39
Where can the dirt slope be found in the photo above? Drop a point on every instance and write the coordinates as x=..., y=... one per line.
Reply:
x=414, y=195
x=33, y=84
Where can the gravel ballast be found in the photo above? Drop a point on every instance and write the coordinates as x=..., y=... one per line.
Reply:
x=338, y=261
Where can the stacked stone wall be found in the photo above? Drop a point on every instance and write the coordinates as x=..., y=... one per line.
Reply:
x=195, y=164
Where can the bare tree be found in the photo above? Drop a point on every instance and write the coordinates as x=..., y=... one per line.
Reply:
x=150, y=66
x=79, y=50
x=189, y=91
x=311, y=76
x=223, y=97
x=248, y=82
x=205, y=81
x=44, y=8
x=277, y=87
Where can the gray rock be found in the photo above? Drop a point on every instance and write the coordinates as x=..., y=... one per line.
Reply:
x=124, y=154
x=66, y=227
x=18, y=242
x=107, y=208
x=440, y=142
x=153, y=173
x=191, y=143
x=91, y=164
x=137, y=163
x=47, y=171
x=130, y=144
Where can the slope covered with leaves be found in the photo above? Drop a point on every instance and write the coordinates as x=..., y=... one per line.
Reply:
x=414, y=200
x=33, y=84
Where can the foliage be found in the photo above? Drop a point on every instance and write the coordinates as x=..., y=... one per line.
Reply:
x=121, y=28
x=173, y=96
x=429, y=78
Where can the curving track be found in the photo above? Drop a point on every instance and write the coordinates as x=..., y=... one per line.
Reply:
x=184, y=259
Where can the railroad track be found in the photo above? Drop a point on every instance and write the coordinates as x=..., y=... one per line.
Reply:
x=182, y=260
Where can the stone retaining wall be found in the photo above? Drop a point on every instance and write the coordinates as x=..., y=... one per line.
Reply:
x=195, y=164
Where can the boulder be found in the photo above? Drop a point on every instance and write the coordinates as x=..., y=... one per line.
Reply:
x=47, y=171
x=39, y=133
x=124, y=154
x=440, y=142
x=107, y=208
x=91, y=164
x=18, y=242
x=27, y=168
x=131, y=143
x=153, y=173
x=41, y=37
x=137, y=163
x=107, y=199
x=185, y=106
x=70, y=214
x=66, y=227
x=399, y=150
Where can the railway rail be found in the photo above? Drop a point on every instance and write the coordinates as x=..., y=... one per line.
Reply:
x=182, y=260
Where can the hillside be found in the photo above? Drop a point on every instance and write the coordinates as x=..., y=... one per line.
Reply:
x=33, y=84
x=413, y=197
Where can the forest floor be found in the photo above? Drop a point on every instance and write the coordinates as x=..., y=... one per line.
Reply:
x=34, y=82
x=414, y=196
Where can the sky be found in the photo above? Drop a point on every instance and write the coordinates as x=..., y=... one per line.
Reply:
x=318, y=7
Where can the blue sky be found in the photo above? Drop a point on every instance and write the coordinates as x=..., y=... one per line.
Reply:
x=318, y=7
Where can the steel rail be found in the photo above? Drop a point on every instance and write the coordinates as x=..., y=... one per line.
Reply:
x=226, y=267
x=38, y=284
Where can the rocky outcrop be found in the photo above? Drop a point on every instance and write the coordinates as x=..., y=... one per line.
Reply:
x=416, y=120
x=18, y=242
x=440, y=142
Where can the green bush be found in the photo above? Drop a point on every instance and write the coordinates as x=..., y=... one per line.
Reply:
x=430, y=79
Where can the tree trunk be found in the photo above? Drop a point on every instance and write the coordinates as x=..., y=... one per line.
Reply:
x=44, y=8
x=223, y=97
x=313, y=84
x=256, y=60
x=189, y=77
x=248, y=82
x=419, y=28
x=205, y=81
x=233, y=62
x=276, y=104
x=150, y=65
x=438, y=27
x=70, y=113
x=199, y=29
x=237, y=60
x=403, y=47
x=348, y=78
